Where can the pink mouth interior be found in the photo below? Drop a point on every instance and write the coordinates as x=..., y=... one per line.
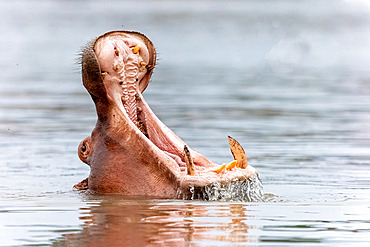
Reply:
x=123, y=71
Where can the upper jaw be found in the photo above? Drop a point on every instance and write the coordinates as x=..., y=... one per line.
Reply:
x=92, y=69
x=122, y=57
x=125, y=42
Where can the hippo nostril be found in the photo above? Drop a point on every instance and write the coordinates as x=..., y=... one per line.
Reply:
x=83, y=148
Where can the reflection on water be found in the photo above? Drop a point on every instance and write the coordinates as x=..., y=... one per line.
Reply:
x=117, y=222
x=114, y=221
x=235, y=189
x=289, y=80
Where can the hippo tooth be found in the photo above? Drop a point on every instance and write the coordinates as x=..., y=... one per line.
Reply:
x=238, y=153
x=224, y=167
x=231, y=165
x=188, y=161
x=143, y=64
x=103, y=74
x=220, y=168
x=136, y=49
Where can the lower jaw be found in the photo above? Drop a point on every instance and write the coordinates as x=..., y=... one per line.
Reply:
x=168, y=179
x=234, y=188
x=204, y=180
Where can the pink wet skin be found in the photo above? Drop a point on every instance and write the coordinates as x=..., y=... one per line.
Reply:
x=124, y=156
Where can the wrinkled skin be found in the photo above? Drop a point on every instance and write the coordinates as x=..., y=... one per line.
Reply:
x=131, y=151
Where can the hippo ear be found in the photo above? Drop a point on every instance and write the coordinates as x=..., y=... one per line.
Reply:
x=91, y=74
x=152, y=58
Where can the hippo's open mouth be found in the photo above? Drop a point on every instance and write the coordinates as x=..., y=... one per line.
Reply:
x=130, y=150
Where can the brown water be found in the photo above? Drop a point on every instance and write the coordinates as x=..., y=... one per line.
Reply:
x=289, y=79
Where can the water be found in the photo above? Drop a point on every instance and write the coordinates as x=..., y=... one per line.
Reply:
x=290, y=80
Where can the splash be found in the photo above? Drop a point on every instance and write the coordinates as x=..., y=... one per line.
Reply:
x=237, y=189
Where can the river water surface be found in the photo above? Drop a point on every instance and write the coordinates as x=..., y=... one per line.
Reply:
x=290, y=80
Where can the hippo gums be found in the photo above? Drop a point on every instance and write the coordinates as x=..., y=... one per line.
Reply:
x=130, y=151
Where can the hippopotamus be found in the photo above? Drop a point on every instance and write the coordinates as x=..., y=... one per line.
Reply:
x=130, y=151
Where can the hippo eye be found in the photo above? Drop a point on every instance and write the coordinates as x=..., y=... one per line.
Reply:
x=83, y=148
x=121, y=82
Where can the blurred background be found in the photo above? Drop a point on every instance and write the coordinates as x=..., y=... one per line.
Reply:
x=290, y=80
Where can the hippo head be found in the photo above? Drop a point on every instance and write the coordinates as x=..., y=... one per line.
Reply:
x=130, y=151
